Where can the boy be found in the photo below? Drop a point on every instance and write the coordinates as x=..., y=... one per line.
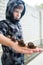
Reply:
x=12, y=53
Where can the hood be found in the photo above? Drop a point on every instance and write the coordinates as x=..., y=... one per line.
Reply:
x=10, y=8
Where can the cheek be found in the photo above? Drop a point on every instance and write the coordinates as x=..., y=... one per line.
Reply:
x=15, y=14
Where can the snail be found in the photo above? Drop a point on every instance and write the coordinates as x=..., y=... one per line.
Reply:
x=31, y=45
x=22, y=44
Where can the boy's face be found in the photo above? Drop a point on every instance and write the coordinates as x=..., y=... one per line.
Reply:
x=17, y=13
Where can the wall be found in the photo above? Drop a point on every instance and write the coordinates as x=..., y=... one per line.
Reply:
x=31, y=25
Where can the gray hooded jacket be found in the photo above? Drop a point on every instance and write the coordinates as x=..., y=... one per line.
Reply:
x=11, y=27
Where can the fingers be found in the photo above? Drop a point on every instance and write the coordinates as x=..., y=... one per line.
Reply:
x=28, y=49
x=40, y=49
x=27, y=52
x=37, y=50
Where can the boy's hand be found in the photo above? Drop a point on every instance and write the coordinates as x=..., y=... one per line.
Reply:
x=23, y=50
x=26, y=50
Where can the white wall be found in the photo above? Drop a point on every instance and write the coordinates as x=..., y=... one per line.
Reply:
x=30, y=25
x=42, y=23
x=3, y=4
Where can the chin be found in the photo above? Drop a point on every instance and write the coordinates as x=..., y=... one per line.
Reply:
x=18, y=19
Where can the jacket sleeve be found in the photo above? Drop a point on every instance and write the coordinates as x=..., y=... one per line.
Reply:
x=3, y=28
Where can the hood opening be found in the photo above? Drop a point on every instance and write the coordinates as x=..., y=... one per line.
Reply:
x=12, y=4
